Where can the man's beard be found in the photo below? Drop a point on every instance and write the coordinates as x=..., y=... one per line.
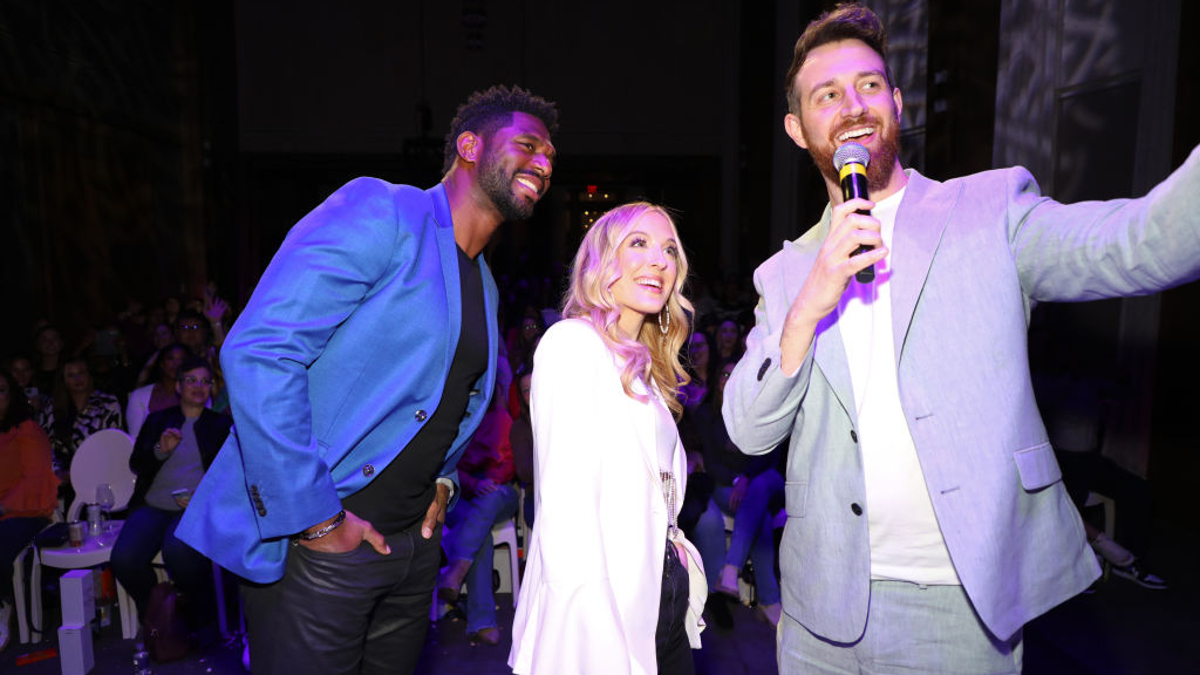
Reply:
x=497, y=184
x=883, y=160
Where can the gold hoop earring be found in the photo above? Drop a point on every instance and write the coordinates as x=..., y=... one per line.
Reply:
x=667, y=327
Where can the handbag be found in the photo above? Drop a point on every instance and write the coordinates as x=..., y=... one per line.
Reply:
x=164, y=629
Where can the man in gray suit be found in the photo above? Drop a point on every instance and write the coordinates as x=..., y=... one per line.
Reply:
x=927, y=520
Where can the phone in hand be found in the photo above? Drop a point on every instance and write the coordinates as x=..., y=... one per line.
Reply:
x=182, y=496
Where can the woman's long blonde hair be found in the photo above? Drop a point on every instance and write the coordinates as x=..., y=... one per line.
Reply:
x=653, y=356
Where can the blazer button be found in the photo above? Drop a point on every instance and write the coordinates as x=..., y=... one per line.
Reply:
x=762, y=371
x=420, y=416
x=262, y=512
x=853, y=436
x=368, y=470
x=856, y=509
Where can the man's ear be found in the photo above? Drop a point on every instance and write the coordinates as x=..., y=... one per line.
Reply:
x=469, y=146
x=795, y=130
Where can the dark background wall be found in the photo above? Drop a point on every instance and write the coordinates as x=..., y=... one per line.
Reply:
x=147, y=147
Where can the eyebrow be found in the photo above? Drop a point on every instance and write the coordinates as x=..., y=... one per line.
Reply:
x=670, y=240
x=859, y=75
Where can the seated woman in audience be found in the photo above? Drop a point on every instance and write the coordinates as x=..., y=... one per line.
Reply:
x=78, y=411
x=48, y=347
x=701, y=364
x=485, y=474
x=611, y=585
x=729, y=342
x=521, y=440
x=173, y=450
x=162, y=393
x=22, y=370
x=745, y=488
x=28, y=487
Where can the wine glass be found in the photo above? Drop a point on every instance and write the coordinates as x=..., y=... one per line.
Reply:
x=106, y=499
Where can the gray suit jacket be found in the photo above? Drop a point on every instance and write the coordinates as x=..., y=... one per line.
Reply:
x=969, y=258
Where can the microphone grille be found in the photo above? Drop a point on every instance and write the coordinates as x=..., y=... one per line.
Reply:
x=851, y=152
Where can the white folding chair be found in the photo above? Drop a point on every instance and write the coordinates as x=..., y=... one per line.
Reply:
x=28, y=627
x=505, y=534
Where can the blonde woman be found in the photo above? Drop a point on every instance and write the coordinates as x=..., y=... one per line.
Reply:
x=611, y=584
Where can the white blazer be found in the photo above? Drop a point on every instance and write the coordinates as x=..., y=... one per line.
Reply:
x=589, y=600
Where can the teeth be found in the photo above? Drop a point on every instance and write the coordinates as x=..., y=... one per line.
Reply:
x=856, y=133
x=651, y=282
x=529, y=183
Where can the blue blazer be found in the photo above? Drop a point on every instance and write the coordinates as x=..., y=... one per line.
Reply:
x=337, y=361
x=968, y=260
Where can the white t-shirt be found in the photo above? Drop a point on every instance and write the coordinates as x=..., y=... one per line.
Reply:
x=906, y=542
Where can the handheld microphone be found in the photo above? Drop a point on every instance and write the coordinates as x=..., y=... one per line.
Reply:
x=851, y=162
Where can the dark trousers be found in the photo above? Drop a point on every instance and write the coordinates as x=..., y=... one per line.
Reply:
x=1084, y=472
x=15, y=535
x=673, y=652
x=353, y=612
x=145, y=532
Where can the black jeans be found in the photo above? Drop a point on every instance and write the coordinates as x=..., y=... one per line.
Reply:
x=353, y=612
x=673, y=652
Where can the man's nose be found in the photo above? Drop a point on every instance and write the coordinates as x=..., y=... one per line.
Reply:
x=852, y=103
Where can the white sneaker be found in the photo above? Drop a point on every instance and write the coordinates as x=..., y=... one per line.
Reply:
x=5, y=620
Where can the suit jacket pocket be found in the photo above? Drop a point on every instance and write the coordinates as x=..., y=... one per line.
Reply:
x=1037, y=466
x=795, y=495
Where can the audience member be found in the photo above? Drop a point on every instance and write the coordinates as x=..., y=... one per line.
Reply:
x=173, y=450
x=521, y=440
x=162, y=394
x=195, y=331
x=701, y=364
x=485, y=473
x=729, y=341
x=745, y=488
x=48, y=345
x=78, y=411
x=1073, y=407
x=23, y=373
x=27, y=487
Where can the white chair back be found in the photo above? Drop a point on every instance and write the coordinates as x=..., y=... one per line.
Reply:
x=102, y=457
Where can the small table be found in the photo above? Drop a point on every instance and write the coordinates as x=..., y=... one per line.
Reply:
x=92, y=553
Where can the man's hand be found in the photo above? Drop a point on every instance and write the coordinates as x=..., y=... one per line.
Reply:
x=436, y=514
x=485, y=485
x=830, y=276
x=347, y=536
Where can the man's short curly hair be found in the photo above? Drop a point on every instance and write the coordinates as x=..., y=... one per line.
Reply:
x=848, y=21
x=491, y=109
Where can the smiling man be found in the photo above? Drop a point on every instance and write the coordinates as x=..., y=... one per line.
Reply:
x=360, y=368
x=927, y=520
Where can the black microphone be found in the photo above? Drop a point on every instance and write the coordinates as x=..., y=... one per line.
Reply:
x=851, y=162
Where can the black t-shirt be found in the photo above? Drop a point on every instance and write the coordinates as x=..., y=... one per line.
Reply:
x=400, y=494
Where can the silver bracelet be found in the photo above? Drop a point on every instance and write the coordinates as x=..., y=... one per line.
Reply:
x=309, y=536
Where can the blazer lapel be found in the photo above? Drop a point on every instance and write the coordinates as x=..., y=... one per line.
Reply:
x=920, y=221
x=448, y=252
x=829, y=352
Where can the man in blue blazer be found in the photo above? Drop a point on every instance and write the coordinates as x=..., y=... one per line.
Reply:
x=927, y=520
x=357, y=372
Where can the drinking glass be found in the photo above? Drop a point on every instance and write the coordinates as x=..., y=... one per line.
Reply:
x=106, y=499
